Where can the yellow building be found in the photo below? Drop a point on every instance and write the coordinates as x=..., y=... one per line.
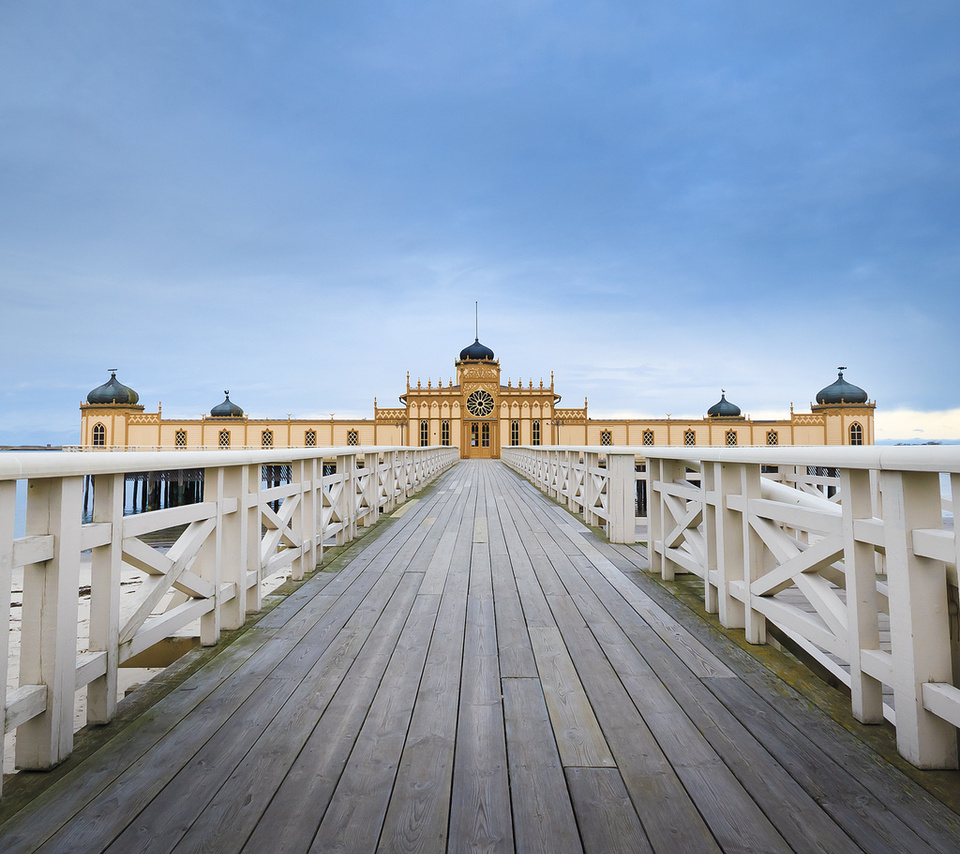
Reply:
x=477, y=414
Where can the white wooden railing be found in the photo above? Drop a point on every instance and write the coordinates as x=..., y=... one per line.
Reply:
x=598, y=483
x=828, y=558
x=211, y=574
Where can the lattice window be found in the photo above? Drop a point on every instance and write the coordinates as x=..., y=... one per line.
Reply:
x=267, y=439
x=99, y=435
x=181, y=439
x=514, y=432
x=606, y=437
x=424, y=433
x=536, y=433
x=444, y=432
x=353, y=437
x=731, y=437
x=772, y=437
x=689, y=437
x=224, y=438
x=310, y=438
x=648, y=437
x=856, y=434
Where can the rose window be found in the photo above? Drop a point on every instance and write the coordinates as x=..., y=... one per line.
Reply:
x=480, y=403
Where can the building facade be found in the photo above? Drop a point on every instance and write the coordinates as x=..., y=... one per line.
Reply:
x=476, y=413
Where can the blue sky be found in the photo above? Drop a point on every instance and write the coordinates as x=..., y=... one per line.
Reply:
x=301, y=201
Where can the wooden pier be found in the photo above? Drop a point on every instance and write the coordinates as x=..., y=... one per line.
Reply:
x=486, y=674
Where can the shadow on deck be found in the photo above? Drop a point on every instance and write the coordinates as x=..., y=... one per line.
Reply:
x=486, y=674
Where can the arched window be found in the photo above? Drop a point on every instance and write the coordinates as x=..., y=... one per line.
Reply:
x=310, y=438
x=606, y=437
x=648, y=437
x=856, y=434
x=536, y=433
x=267, y=439
x=689, y=437
x=181, y=439
x=99, y=435
x=224, y=438
x=772, y=437
x=731, y=437
x=424, y=433
x=444, y=432
x=514, y=432
x=353, y=437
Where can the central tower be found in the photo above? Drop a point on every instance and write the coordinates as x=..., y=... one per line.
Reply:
x=478, y=379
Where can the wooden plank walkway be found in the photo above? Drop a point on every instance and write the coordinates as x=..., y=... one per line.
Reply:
x=483, y=676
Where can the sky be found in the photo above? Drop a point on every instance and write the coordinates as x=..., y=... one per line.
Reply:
x=302, y=201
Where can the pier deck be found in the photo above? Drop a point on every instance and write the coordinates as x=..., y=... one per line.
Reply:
x=482, y=676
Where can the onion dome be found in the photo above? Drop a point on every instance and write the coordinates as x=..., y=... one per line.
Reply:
x=227, y=409
x=476, y=352
x=113, y=391
x=723, y=408
x=840, y=391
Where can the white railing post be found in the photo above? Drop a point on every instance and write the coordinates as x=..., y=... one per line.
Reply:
x=308, y=515
x=863, y=627
x=105, y=576
x=233, y=544
x=591, y=491
x=250, y=486
x=730, y=565
x=621, y=498
x=371, y=489
x=209, y=561
x=655, y=532
x=755, y=624
x=390, y=480
x=919, y=628
x=346, y=471
x=712, y=496
x=48, y=650
x=8, y=501
x=671, y=471
x=297, y=525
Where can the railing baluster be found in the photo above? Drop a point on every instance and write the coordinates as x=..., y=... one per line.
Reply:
x=920, y=632
x=105, y=577
x=48, y=650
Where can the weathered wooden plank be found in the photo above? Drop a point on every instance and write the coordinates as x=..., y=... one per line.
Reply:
x=666, y=706
x=354, y=818
x=579, y=737
x=436, y=574
x=419, y=808
x=291, y=820
x=480, y=817
x=235, y=805
x=898, y=795
x=851, y=804
x=608, y=822
x=516, y=653
x=542, y=813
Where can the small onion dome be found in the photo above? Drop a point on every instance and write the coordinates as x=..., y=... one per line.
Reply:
x=840, y=391
x=723, y=408
x=113, y=391
x=227, y=409
x=476, y=351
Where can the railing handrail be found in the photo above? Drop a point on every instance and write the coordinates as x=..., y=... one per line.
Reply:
x=15, y=465
x=940, y=458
